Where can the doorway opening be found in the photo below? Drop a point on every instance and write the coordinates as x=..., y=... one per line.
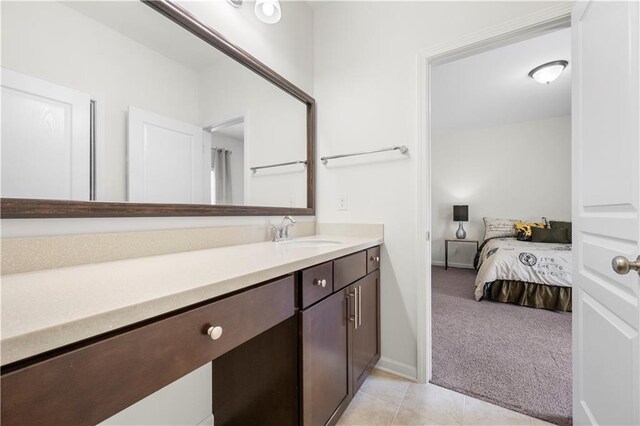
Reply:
x=226, y=170
x=501, y=168
x=460, y=180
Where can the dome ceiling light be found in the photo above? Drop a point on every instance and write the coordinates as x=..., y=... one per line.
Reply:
x=546, y=73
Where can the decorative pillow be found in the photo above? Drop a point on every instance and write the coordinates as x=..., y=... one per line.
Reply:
x=563, y=225
x=523, y=229
x=495, y=228
x=550, y=235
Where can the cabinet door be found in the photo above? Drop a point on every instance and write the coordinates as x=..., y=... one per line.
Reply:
x=325, y=383
x=366, y=337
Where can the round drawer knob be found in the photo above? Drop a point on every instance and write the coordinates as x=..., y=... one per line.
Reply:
x=321, y=283
x=376, y=258
x=215, y=332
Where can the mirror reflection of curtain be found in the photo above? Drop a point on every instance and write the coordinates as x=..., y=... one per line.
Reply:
x=221, y=166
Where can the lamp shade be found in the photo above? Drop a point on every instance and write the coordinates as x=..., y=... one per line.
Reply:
x=460, y=213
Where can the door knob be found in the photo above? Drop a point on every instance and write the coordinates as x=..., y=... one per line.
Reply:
x=622, y=265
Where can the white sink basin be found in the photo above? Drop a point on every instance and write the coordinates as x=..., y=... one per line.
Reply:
x=309, y=243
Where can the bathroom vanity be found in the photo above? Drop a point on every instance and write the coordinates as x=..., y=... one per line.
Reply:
x=291, y=338
x=291, y=329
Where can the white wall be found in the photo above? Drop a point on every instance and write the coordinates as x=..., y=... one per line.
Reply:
x=365, y=81
x=519, y=171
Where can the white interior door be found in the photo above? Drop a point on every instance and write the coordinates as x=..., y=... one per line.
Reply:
x=45, y=139
x=165, y=159
x=606, y=194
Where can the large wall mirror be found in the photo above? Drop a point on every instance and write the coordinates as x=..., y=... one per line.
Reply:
x=138, y=109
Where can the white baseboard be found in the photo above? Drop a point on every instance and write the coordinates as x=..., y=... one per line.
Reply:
x=398, y=368
x=452, y=265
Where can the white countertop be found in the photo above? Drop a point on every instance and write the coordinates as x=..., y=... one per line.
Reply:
x=45, y=310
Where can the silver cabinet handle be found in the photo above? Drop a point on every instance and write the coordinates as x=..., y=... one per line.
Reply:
x=320, y=282
x=375, y=258
x=358, y=313
x=622, y=265
x=356, y=317
x=214, y=332
x=360, y=305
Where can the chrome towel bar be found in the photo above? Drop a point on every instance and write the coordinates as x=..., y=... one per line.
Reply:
x=255, y=169
x=402, y=148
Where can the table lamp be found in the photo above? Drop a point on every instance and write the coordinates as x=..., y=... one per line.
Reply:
x=461, y=214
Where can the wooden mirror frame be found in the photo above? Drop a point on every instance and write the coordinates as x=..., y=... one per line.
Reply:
x=24, y=208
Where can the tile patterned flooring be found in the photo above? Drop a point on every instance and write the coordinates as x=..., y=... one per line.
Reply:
x=386, y=399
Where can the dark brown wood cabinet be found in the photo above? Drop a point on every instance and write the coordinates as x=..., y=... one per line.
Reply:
x=87, y=385
x=316, y=283
x=258, y=377
x=340, y=341
x=365, y=344
x=373, y=259
x=348, y=269
x=324, y=359
x=291, y=351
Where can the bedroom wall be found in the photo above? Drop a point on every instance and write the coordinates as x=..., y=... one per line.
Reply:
x=519, y=171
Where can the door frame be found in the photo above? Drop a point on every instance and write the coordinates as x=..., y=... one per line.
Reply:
x=527, y=26
x=99, y=148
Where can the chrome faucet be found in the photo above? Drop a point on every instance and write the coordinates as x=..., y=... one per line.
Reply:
x=281, y=232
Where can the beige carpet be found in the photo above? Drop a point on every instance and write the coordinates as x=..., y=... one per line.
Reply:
x=513, y=356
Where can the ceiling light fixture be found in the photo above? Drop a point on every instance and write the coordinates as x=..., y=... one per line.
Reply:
x=546, y=73
x=268, y=11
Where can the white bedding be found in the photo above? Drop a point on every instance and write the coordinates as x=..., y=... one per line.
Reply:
x=511, y=259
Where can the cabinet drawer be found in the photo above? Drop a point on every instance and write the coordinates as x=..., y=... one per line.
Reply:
x=373, y=259
x=105, y=377
x=349, y=269
x=317, y=283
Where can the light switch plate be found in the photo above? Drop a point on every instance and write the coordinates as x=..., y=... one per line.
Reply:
x=342, y=202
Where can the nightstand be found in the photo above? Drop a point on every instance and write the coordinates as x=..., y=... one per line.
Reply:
x=455, y=240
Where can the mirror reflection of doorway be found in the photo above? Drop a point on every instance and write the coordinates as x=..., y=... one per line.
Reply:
x=227, y=168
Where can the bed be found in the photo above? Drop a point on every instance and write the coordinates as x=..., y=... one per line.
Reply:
x=527, y=273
